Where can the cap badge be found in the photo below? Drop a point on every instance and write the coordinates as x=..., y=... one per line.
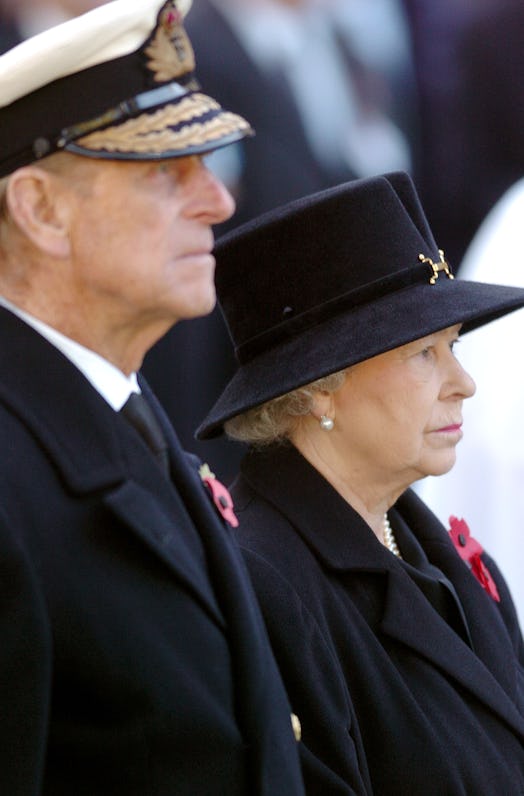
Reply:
x=170, y=51
x=437, y=267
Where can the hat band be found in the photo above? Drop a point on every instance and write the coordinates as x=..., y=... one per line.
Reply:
x=127, y=110
x=314, y=316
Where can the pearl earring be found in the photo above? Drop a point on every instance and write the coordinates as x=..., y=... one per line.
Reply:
x=326, y=423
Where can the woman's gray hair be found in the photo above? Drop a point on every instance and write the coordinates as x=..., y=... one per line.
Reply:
x=275, y=420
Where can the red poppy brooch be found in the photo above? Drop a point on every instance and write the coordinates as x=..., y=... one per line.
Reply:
x=220, y=495
x=470, y=551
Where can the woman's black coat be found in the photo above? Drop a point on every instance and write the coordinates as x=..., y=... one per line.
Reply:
x=403, y=685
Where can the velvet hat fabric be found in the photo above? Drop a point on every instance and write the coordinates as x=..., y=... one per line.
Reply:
x=117, y=82
x=331, y=280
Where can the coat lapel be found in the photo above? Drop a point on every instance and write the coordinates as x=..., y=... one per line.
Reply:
x=484, y=614
x=95, y=450
x=159, y=528
x=440, y=645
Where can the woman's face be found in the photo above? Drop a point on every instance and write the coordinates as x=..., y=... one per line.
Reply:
x=398, y=416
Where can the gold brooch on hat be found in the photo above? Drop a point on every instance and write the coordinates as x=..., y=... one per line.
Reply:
x=437, y=267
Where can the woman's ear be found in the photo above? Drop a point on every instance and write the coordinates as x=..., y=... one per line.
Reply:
x=37, y=204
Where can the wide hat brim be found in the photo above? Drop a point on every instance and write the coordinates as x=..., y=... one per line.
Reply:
x=357, y=334
x=333, y=279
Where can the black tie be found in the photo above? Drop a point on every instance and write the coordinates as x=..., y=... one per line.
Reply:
x=139, y=413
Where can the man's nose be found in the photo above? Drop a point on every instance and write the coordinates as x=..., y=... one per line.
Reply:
x=217, y=203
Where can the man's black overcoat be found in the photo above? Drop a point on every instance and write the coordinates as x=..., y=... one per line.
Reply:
x=133, y=658
x=407, y=679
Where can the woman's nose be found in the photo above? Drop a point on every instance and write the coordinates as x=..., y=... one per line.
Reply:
x=465, y=384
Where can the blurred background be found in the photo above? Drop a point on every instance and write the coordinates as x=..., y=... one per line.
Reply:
x=341, y=89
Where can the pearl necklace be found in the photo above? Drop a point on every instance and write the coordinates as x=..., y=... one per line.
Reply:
x=389, y=537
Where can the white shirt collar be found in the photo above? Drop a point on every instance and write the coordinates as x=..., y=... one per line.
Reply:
x=113, y=385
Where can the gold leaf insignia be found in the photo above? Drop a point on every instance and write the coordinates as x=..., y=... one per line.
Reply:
x=170, y=51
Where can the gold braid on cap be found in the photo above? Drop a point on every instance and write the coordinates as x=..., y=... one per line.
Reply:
x=153, y=132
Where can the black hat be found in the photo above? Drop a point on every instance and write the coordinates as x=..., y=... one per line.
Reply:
x=331, y=280
x=117, y=82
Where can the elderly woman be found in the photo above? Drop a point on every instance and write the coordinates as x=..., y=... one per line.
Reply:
x=397, y=639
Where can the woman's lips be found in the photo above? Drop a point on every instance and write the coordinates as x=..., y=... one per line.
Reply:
x=454, y=428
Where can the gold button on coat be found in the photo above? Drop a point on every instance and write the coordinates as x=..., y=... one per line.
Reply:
x=297, y=727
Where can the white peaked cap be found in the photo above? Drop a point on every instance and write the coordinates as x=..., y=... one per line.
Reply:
x=102, y=34
x=117, y=82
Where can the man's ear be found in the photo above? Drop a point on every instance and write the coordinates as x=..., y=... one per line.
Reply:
x=37, y=204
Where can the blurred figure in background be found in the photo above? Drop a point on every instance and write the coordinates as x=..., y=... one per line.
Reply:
x=468, y=66
x=436, y=32
x=20, y=19
x=486, y=486
x=491, y=68
x=323, y=79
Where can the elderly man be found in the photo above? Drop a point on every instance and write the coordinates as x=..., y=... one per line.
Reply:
x=133, y=656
